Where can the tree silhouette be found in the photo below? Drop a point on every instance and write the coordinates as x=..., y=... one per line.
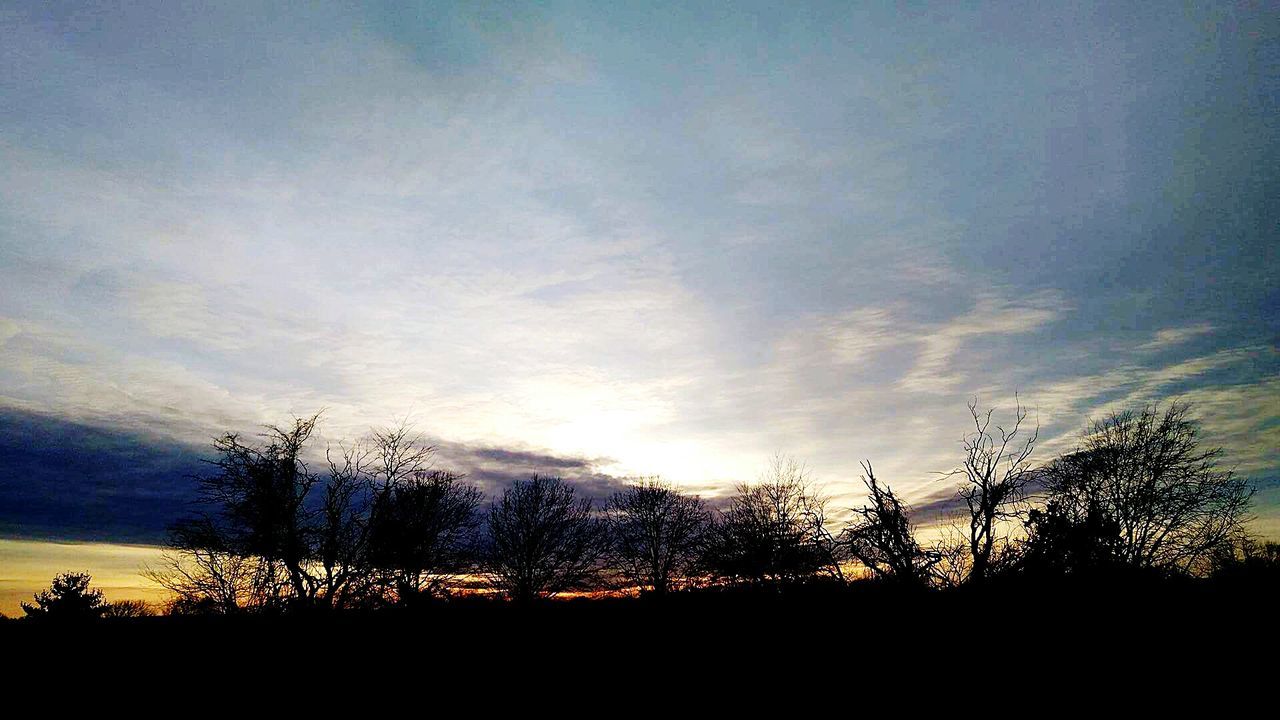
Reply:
x=773, y=531
x=657, y=533
x=1249, y=562
x=382, y=525
x=259, y=495
x=395, y=527
x=421, y=532
x=1060, y=543
x=127, y=609
x=69, y=598
x=1146, y=471
x=996, y=471
x=205, y=577
x=422, y=521
x=257, y=535
x=543, y=540
x=882, y=538
x=385, y=526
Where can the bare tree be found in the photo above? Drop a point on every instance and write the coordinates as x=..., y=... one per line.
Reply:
x=543, y=540
x=341, y=559
x=882, y=538
x=394, y=528
x=259, y=499
x=127, y=609
x=381, y=525
x=398, y=453
x=996, y=472
x=774, y=531
x=953, y=560
x=422, y=532
x=1146, y=472
x=422, y=520
x=263, y=538
x=205, y=576
x=657, y=533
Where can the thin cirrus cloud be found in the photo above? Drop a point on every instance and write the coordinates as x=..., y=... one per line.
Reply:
x=669, y=241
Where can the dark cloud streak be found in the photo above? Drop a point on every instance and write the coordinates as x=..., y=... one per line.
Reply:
x=70, y=480
x=493, y=468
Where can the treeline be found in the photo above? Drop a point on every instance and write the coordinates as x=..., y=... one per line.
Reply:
x=380, y=526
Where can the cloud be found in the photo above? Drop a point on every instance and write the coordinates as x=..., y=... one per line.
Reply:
x=1172, y=337
x=1245, y=419
x=493, y=469
x=62, y=479
x=847, y=339
x=100, y=482
x=50, y=371
x=942, y=363
x=1075, y=398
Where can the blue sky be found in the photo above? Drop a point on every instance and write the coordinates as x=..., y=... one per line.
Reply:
x=665, y=238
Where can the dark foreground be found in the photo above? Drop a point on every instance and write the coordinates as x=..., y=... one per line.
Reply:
x=1194, y=630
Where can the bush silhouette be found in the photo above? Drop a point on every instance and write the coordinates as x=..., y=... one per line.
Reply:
x=69, y=598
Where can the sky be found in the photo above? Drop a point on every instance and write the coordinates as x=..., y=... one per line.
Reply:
x=612, y=239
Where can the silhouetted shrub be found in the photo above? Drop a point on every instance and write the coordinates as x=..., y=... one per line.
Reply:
x=1060, y=543
x=69, y=598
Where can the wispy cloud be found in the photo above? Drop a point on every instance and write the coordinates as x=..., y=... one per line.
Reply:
x=942, y=365
x=1172, y=337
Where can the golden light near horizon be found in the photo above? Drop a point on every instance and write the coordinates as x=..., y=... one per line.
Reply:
x=26, y=567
